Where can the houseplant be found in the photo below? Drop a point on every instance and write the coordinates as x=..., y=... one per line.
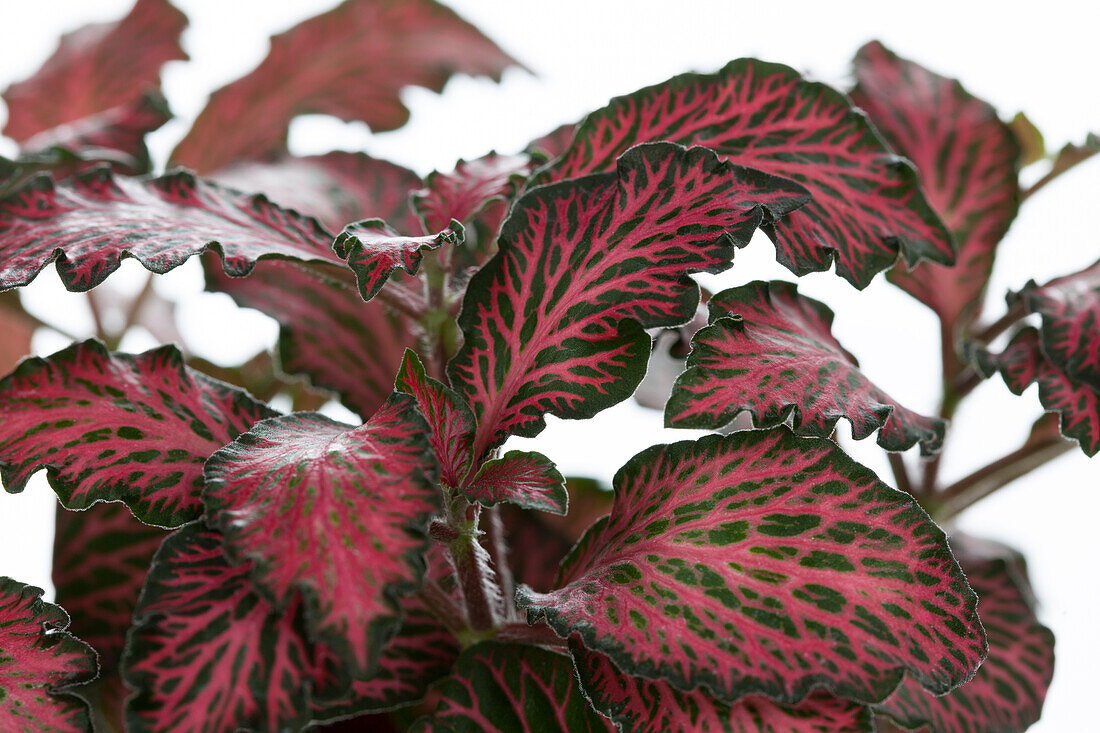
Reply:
x=529, y=340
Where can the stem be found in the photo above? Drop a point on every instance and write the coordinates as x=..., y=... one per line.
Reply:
x=442, y=605
x=983, y=482
x=475, y=577
x=901, y=473
x=97, y=318
x=1062, y=163
x=1014, y=313
x=498, y=554
x=540, y=634
x=134, y=309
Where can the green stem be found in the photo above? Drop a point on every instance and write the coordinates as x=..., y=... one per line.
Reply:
x=498, y=553
x=471, y=564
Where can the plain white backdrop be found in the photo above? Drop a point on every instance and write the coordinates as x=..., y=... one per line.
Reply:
x=1042, y=59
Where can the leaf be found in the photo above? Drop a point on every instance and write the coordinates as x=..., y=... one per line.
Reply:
x=351, y=62
x=553, y=323
x=654, y=706
x=17, y=329
x=96, y=68
x=967, y=161
x=509, y=688
x=1070, y=309
x=525, y=478
x=468, y=189
x=1032, y=145
x=90, y=223
x=422, y=653
x=1007, y=693
x=39, y=657
x=764, y=563
x=352, y=505
x=770, y=351
x=867, y=205
x=374, y=251
x=1022, y=363
x=209, y=653
x=118, y=427
x=450, y=421
x=554, y=143
x=335, y=188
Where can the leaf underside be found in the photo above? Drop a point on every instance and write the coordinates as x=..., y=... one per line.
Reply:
x=765, y=563
x=867, y=204
x=37, y=656
x=118, y=427
x=554, y=322
x=967, y=161
x=351, y=505
x=351, y=62
x=1007, y=693
x=511, y=688
x=770, y=351
x=642, y=705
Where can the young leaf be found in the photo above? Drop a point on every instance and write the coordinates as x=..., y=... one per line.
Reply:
x=96, y=68
x=525, y=478
x=967, y=161
x=554, y=322
x=351, y=505
x=37, y=656
x=1070, y=309
x=465, y=191
x=374, y=251
x=118, y=427
x=867, y=204
x=1023, y=362
x=1007, y=693
x=640, y=705
x=90, y=223
x=761, y=562
x=207, y=652
x=351, y=62
x=451, y=423
x=770, y=351
x=511, y=688
x=422, y=653
x=334, y=188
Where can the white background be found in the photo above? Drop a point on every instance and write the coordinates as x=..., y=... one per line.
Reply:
x=1041, y=58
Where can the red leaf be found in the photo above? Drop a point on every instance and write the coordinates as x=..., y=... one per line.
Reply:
x=1023, y=363
x=374, y=251
x=351, y=62
x=763, y=563
x=207, y=652
x=771, y=351
x=513, y=688
x=867, y=205
x=967, y=161
x=351, y=504
x=39, y=657
x=553, y=323
x=1008, y=691
x=468, y=189
x=525, y=478
x=554, y=143
x=15, y=342
x=96, y=68
x=116, y=427
x=90, y=223
x=1070, y=308
x=654, y=706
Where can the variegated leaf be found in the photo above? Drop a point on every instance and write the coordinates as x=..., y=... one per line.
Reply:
x=770, y=351
x=967, y=161
x=207, y=653
x=554, y=322
x=471, y=186
x=1023, y=363
x=118, y=427
x=525, y=478
x=37, y=656
x=764, y=563
x=90, y=223
x=867, y=205
x=1070, y=309
x=352, y=505
x=512, y=688
x=351, y=62
x=1007, y=693
x=374, y=251
x=640, y=705
x=97, y=68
